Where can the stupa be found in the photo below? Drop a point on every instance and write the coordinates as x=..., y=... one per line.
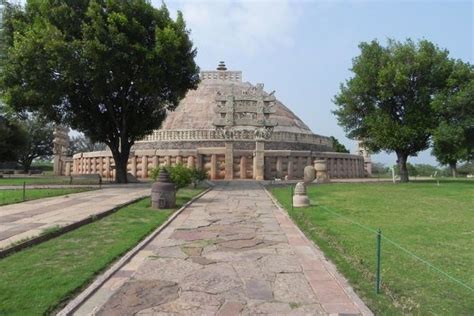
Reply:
x=233, y=130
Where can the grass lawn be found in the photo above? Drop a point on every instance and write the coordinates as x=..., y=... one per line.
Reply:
x=434, y=222
x=32, y=180
x=37, y=280
x=15, y=196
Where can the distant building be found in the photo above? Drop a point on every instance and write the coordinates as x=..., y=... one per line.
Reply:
x=233, y=130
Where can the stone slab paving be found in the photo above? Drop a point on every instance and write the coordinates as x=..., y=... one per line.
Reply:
x=29, y=219
x=231, y=252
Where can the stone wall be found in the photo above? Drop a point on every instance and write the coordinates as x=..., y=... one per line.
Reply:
x=277, y=163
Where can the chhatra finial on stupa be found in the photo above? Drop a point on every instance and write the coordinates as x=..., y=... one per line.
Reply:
x=221, y=66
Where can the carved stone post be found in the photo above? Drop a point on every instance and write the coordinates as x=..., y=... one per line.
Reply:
x=243, y=167
x=290, y=168
x=229, y=160
x=144, y=167
x=259, y=160
x=61, y=144
x=279, y=167
x=213, y=174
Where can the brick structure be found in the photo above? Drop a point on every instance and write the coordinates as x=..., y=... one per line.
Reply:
x=233, y=130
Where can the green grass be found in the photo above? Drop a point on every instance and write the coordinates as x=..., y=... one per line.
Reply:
x=16, y=195
x=434, y=222
x=43, y=180
x=37, y=280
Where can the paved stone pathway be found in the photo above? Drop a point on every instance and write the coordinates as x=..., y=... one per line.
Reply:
x=29, y=219
x=231, y=252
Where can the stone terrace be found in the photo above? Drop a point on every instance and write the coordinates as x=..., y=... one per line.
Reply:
x=231, y=252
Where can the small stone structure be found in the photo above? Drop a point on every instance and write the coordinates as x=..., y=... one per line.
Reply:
x=362, y=151
x=321, y=171
x=163, y=192
x=300, y=199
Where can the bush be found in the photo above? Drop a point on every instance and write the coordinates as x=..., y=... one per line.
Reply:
x=181, y=175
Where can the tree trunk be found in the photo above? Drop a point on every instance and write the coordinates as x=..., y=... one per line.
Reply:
x=121, y=161
x=26, y=164
x=402, y=164
x=454, y=170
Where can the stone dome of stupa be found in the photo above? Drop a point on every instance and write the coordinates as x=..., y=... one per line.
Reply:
x=197, y=110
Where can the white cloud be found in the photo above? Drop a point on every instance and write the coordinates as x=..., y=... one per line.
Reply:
x=244, y=27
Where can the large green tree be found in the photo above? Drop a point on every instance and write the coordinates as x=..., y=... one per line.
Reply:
x=453, y=139
x=108, y=68
x=337, y=146
x=387, y=102
x=39, y=138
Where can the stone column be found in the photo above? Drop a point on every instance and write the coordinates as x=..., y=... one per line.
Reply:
x=191, y=162
x=259, y=162
x=290, y=168
x=300, y=167
x=133, y=167
x=155, y=161
x=229, y=160
x=167, y=160
x=198, y=161
x=68, y=169
x=179, y=159
x=94, y=165
x=213, y=167
x=101, y=166
x=309, y=161
x=107, y=167
x=279, y=167
x=243, y=167
x=144, y=167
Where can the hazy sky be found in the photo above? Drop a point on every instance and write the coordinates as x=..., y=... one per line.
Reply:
x=303, y=49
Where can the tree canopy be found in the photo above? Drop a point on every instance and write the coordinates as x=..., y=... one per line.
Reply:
x=39, y=140
x=337, y=146
x=110, y=69
x=388, y=102
x=453, y=139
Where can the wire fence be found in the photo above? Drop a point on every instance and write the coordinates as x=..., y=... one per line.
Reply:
x=451, y=288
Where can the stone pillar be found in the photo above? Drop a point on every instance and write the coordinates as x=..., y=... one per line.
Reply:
x=68, y=169
x=199, y=162
x=107, y=167
x=133, y=166
x=94, y=165
x=155, y=161
x=243, y=167
x=191, y=162
x=144, y=167
x=88, y=165
x=213, y=174
x=259, y=162
x=290, y=168
x=279, y=167
x=101, y=166
x=179, y=159
x=229, y=160
x=300, y=167
x=167, y=160
x=309, y=161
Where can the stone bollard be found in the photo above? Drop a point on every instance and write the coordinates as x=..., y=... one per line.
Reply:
x=163, y=192
x=300, y=199
x=321, y=171
x=309, y=174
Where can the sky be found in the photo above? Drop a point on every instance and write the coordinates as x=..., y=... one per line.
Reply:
x=303, y=49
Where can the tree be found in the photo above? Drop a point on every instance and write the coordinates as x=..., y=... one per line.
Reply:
x=387, y=102
x=39, y=140
x=453, y=138
x=337, y=146
x=110, y=69
x=13, y=139
x=81, y=143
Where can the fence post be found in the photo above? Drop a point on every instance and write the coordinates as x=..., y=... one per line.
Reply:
x=378, y=251
x=24, y=191
x=291, y=197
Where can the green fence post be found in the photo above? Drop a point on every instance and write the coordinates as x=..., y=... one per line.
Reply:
x=377, y=273
x=24, y=191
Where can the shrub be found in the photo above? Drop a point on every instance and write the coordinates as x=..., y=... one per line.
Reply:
x=181, y=175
